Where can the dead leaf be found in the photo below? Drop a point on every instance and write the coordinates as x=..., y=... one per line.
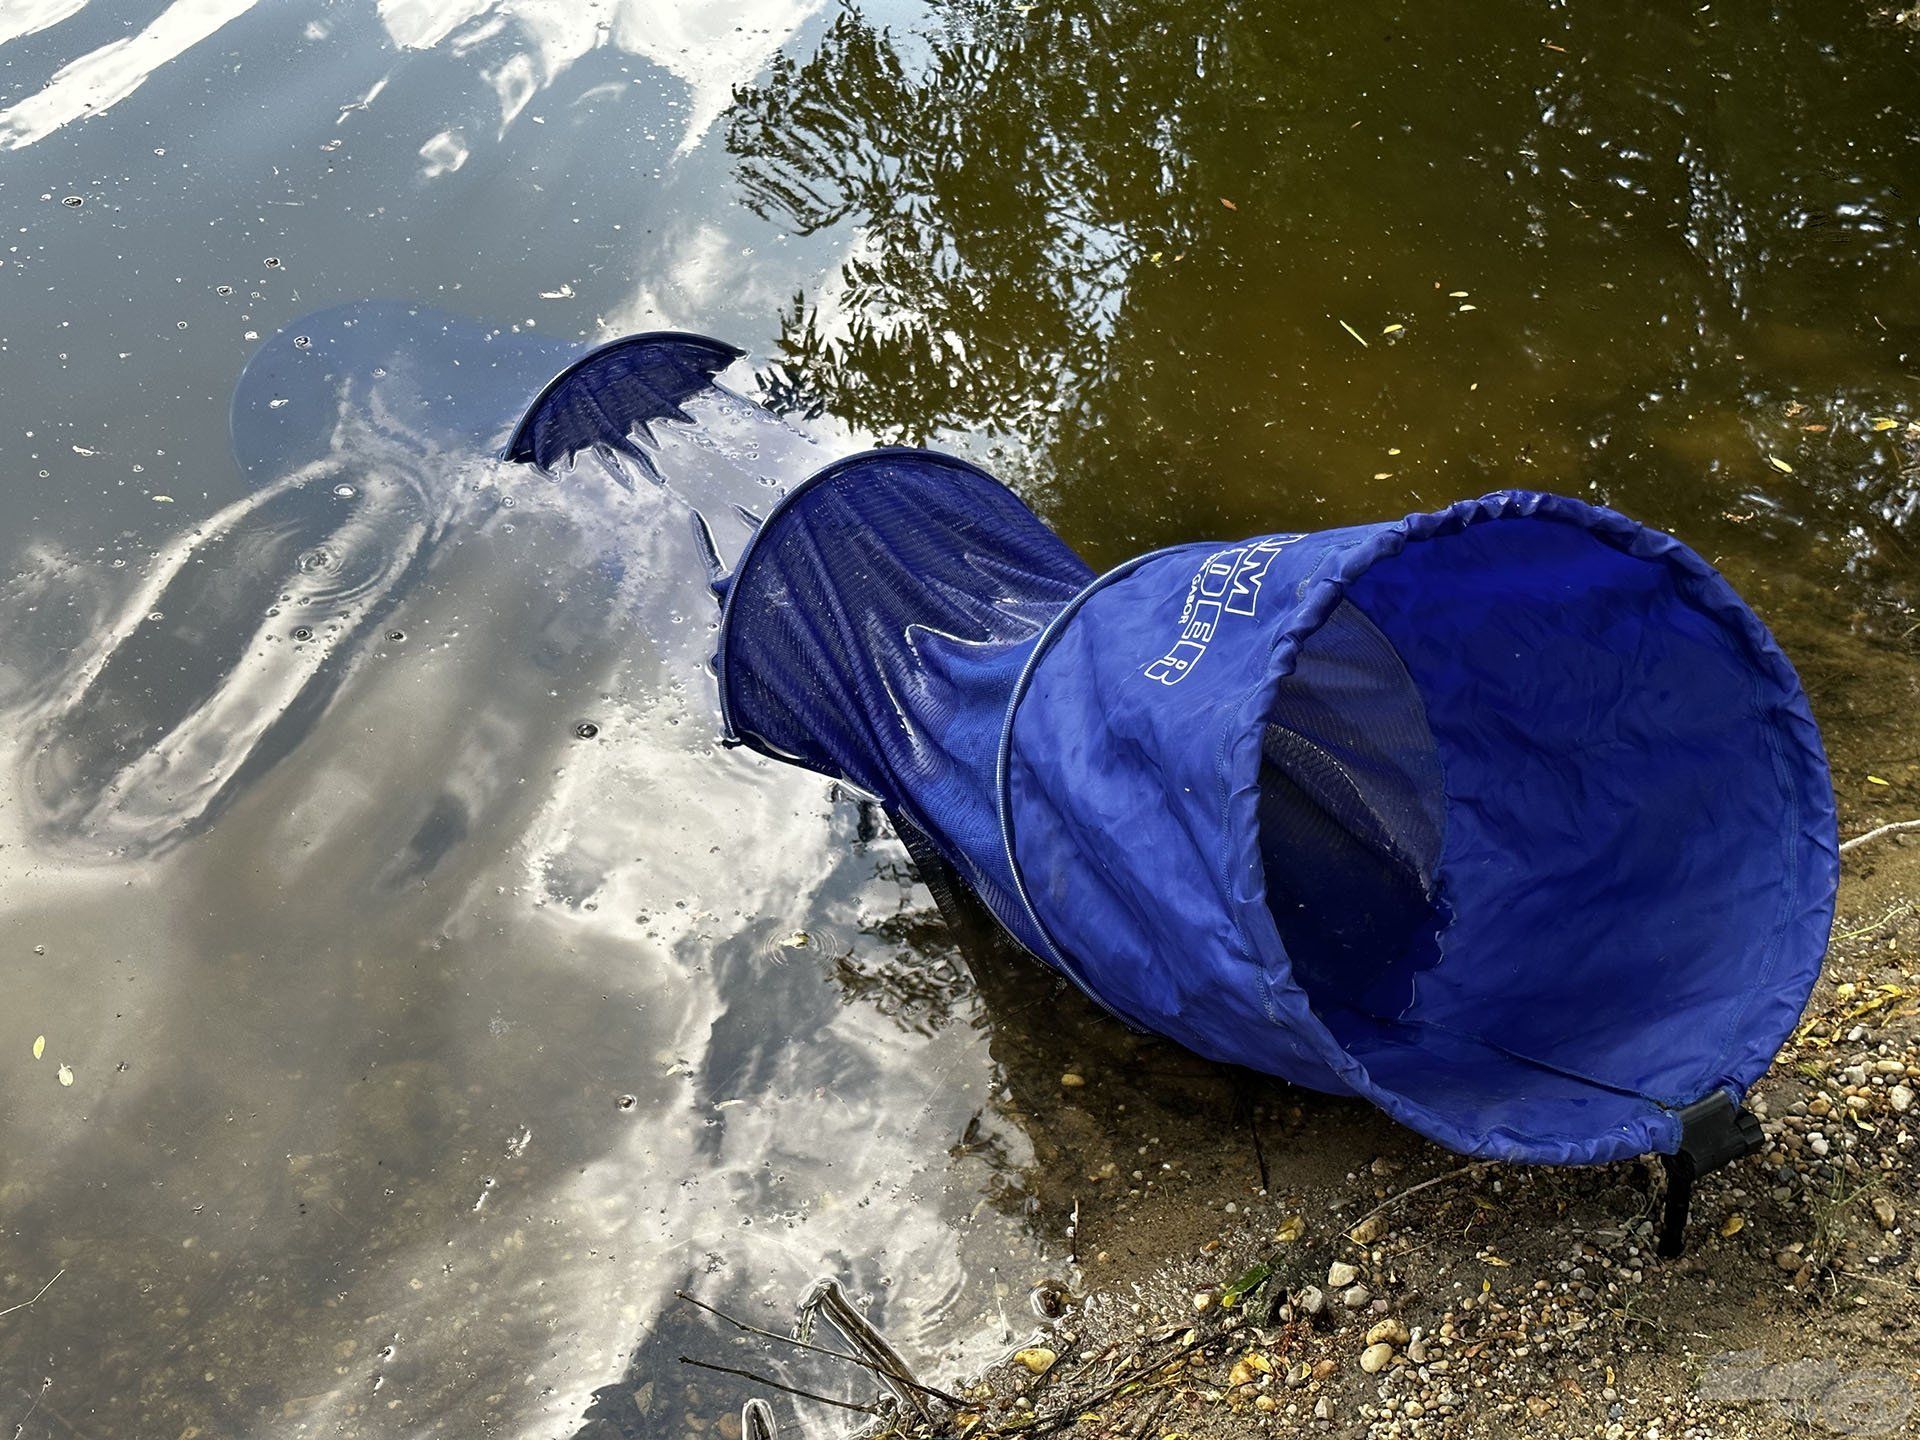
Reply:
x=1248, y=1369
x=1782, y=466
x=1228, y=203
x=39, y=1046
x=1733, y=1225
x=1884, y=422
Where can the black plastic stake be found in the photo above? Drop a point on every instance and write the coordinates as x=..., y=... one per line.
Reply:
x=1713, y=1132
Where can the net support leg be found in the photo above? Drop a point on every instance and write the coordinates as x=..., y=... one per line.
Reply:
x=1713, y=1132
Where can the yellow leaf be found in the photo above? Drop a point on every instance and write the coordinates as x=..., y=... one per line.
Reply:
x=1733, y=1224
x=1885, y=422
x=1393, y=330
x=1875, y=780
x=1496, y=1260
x=66, y=1075
x=1464, y=308
x=39, y=1046
x=1456, y=294
x=1782, y=466
x=1290, y=1229
x=1354, y=333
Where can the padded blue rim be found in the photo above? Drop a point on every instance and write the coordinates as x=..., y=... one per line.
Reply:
x=1706, y=588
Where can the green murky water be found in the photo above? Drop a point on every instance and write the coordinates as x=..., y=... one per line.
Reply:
x=409, y=1081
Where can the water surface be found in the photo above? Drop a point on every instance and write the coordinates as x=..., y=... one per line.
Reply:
x=437, y=996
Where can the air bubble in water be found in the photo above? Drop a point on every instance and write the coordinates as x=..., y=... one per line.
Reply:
x=301, y=342
x=273, y=262
x=302, y=632
x=276, y=402
x=586, y=730
x=73, y=202
x=345, y=492
x=396, y=636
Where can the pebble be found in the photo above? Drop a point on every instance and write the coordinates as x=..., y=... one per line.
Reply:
x=1312, y=1301
x=1356, y=1297
x=1389, y=1332
x=1340, y=1275
x=1900, y=1097
x=1323, y=1408
x=1883, y=1212
x=1376, y=1358
x=1073, y=1081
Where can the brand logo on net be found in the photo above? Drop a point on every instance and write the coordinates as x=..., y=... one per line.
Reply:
x=1227, y=583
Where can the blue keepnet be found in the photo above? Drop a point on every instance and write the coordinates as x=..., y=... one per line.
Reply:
x=1511, y=818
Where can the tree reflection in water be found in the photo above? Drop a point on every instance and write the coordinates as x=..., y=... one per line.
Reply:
x=1132, y=237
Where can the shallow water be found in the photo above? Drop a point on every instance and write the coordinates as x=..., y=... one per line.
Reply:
x=422, y=1043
